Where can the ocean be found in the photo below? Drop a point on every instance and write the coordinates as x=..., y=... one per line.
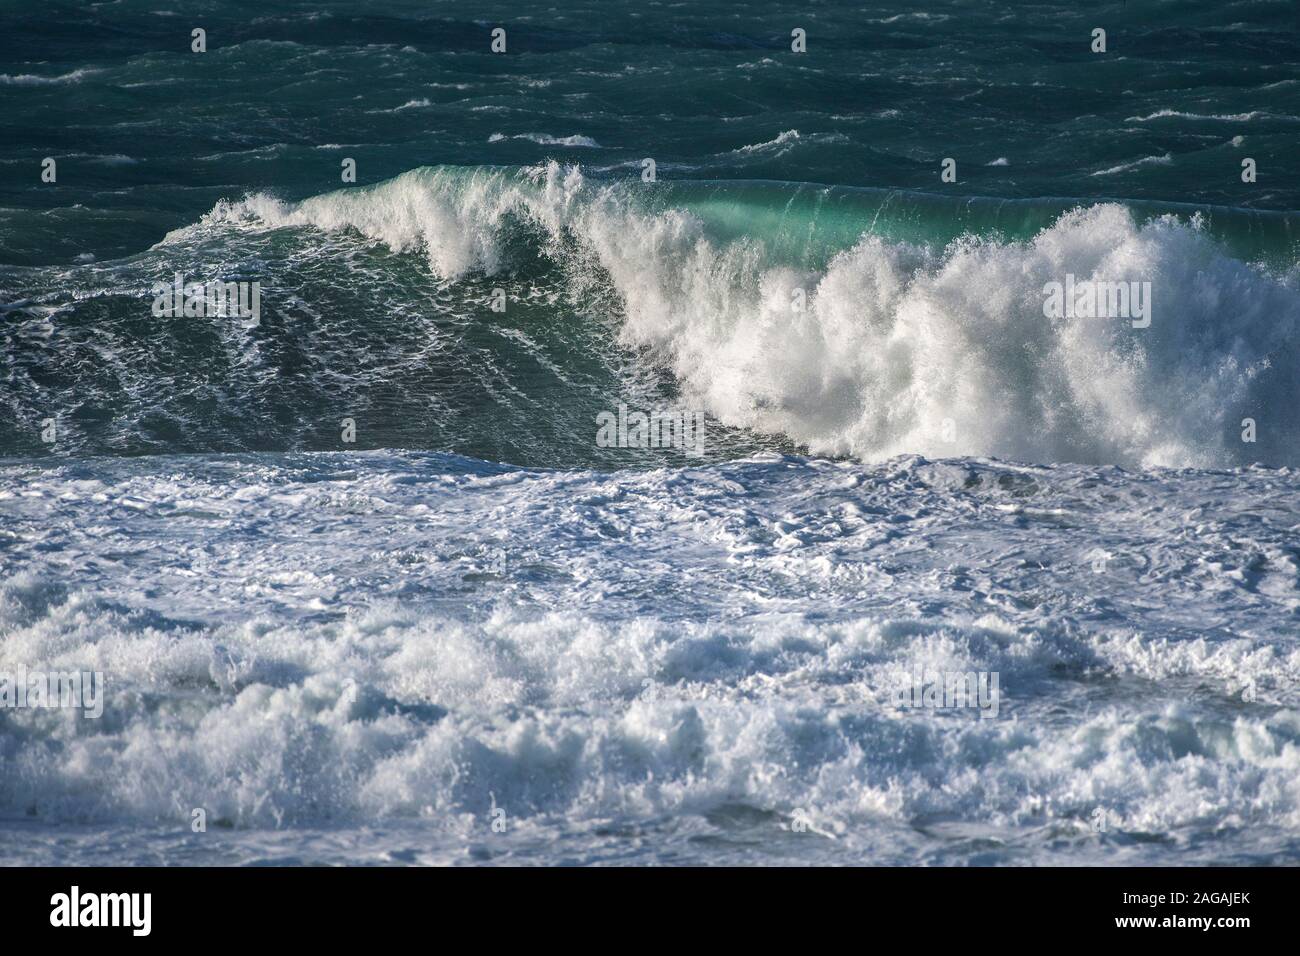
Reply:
x=647, y=433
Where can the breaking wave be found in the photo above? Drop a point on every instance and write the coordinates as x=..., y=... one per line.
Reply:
x=870, y=323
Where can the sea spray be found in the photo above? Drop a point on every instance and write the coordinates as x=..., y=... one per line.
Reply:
x=902, y=346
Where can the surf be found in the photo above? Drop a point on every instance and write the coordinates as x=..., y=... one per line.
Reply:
x=870, y=323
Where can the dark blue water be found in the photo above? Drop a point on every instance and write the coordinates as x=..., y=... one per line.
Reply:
x=149, y=135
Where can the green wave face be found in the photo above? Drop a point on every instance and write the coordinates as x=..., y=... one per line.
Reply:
x=807, y=222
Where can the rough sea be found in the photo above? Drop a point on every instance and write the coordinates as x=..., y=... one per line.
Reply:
x=362, y=581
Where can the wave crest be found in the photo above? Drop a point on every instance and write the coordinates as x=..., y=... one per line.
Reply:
x=902, y=345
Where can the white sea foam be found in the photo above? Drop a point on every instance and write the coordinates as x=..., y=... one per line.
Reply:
x=545, y=139
x=31, y=79
x=1219, y=117
x=695, y=640
x=408, y=105
x=1164, y=160
x=789, y=136
x=783, y=143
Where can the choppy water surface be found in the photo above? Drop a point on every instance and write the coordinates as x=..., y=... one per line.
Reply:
x=371, y=650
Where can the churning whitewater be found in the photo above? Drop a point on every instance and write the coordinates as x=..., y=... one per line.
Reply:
x=359, y=657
